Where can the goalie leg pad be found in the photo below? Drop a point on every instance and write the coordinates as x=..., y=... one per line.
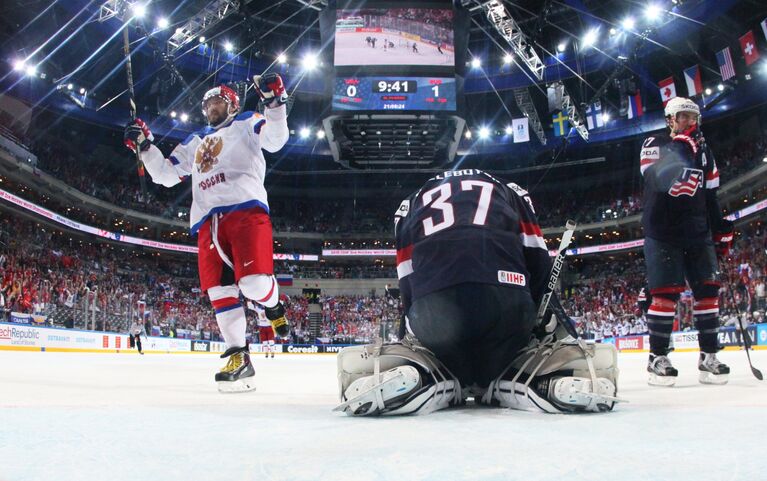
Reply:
x=567, y=376
x=393, y=379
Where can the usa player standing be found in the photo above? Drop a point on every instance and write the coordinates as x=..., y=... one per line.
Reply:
x=684, y=231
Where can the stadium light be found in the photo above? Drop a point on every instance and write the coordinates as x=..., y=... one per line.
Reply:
x=139, y=10
x=310, y=61
x=173, y=114
x=320, y=134
x=720, y=87
x=561, y=47
x=509, y=130
x=628, y=23
x=708, y=91
x=305, y=132
x=163, y=23
x=613, y=31
x=30, y=70
x=476, y=63
x=82, y=90
x=764, y=159
x=202, y=39
x=508, y=58
x=468, y=134
x=652, y=12
x=590, y=38
x=184, y=117
x=19, y=65
x=70, y=86
x=282, y=58
x=606, y=117
x=228, y=46
x=484, y=132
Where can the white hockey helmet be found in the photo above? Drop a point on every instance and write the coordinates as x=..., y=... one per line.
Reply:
x=680, y=104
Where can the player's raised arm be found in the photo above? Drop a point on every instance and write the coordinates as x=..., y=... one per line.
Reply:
x=167, y=172
x=273, y=126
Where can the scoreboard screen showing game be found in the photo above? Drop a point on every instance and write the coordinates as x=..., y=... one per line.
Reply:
x=381, y=93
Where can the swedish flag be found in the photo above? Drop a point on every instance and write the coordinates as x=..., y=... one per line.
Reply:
x=561, y=125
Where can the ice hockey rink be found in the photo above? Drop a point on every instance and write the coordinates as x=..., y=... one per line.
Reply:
x=351, y=49
x=73, y=416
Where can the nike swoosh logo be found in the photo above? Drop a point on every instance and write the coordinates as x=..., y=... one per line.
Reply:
x=248, y=263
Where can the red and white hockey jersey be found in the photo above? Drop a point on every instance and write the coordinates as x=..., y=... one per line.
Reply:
x=226, y=164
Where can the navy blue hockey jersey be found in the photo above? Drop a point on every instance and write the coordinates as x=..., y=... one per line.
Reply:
x=680, y=183
x=467, y=226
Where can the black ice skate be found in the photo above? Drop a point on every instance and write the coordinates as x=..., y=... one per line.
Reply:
x=662, y=373
x=238, y=375
x=276, y=316
x=711, y=370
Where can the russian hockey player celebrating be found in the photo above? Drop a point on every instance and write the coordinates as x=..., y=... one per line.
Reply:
x=230, y=212
x=473, y=267
x=684, y=231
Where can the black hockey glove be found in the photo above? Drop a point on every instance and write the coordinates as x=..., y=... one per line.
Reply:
x=138, y=133
x=723, y=237
x=270, y=89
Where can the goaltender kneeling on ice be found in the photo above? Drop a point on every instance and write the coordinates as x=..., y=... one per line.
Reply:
x=476, y=283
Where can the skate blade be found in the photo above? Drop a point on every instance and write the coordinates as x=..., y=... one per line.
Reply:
x=706, y=377
x=241, y=385
x=664, y=381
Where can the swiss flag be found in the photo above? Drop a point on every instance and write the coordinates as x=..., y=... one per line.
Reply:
x=667, y=89
x=748, y=44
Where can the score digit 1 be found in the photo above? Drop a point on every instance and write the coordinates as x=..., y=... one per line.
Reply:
x=435, y=89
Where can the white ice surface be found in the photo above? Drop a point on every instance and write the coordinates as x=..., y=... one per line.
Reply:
x=94, y=417
x=351, y=49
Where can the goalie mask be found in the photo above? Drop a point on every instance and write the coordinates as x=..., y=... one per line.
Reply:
x=227, y=95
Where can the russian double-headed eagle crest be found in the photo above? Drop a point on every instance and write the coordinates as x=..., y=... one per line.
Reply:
x=207, y=153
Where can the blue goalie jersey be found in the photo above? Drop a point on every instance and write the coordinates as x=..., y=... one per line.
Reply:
x=467, y=226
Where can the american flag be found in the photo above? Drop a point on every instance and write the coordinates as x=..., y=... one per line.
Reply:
x=687, y=184
x=724, y=59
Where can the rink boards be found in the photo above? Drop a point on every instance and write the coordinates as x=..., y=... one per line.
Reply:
x=19, y=337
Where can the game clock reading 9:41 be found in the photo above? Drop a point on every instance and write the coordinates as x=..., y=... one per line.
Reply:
x=395, y=86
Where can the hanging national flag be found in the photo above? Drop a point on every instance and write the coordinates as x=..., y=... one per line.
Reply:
x=692, y=78
x=521, y=132
x=594, y=116
x=748, y=44
x=667, y=89
x=635, y=106
x=764, y=27
x=561, y=125
x=724, y=59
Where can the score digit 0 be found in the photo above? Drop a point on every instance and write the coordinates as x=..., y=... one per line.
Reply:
x=351, y=91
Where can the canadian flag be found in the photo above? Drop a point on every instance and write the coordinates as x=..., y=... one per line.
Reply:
x=667, y=90
x=748, y=44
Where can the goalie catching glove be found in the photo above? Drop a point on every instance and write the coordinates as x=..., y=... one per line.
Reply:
x=137, y=133
x=270, y=89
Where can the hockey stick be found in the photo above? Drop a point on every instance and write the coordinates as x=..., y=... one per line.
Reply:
x=132, y=99
x=746, y=340
x=556, y=268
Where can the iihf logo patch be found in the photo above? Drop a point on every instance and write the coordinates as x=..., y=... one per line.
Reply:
x=687, y=183
x=506, y=277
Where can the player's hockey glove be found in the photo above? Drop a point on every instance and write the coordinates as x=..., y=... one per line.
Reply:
x=270, y=89
x=723, y=238
x=693, y=138
x=138, y=133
